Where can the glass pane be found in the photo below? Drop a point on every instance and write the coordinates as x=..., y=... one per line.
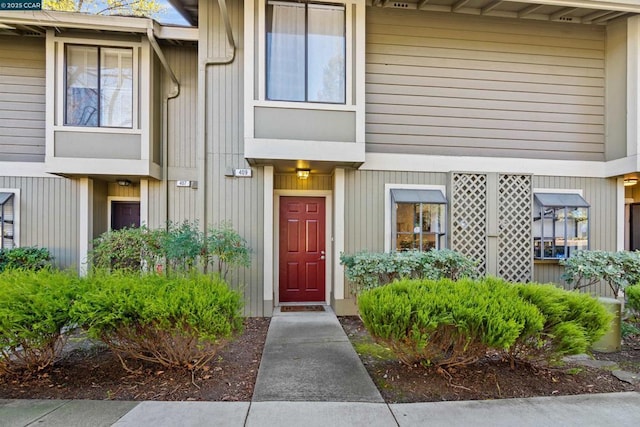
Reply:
x=405, y=242
x=285, y=26
x=577, y=230
x=116, y=87
x=82, y=86
x=405, y=217
x=326, y=56
x=432, y=218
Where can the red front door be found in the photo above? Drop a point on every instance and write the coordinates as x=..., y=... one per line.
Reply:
x=302, y=250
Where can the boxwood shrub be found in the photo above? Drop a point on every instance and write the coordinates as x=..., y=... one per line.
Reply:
x=449, y=323
x=633, y=297
x=172, y=321
x=34, y=313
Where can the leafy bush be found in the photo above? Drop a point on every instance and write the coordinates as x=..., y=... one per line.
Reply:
x=226, y=248
x=447, y=323
x=126, y=249
x=174, y=321
x=25, y=258
x=369, y=270
x=34, y=311
x=588, y=268
x=182, y=246
x=633, y=297
x=573, y=321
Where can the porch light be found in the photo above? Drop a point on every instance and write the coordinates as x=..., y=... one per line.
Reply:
x=628, y=182
x=303, y=173
x=123, y=182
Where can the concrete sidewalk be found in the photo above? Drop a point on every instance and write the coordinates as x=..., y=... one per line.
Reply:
x=308, y=357
x=615, y=409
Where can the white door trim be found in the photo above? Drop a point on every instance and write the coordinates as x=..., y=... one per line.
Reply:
x=327, y=194
x=121, y=199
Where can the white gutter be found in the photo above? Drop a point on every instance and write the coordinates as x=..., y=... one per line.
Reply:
x=202, y=106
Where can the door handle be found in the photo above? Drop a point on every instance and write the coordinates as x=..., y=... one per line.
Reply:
x=322, y=257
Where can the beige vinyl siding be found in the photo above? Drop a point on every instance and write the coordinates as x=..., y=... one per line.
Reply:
x=115, y=190
x=291, y=182
x=22, y=99
x=100, y=208
x=602, y=196
x=237, y=200
x=49, y=215
x=449, y=84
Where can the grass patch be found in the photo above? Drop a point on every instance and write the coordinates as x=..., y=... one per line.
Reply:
x=374, y=350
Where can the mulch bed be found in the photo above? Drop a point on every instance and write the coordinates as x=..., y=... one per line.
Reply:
x=488, y=379
x=95, y=373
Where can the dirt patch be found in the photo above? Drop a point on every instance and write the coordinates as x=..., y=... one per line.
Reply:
x=491, y=378
x=93, y=372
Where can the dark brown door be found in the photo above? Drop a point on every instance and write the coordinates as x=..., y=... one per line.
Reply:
x=634, y=229
x=125, y=214
x=302, y=249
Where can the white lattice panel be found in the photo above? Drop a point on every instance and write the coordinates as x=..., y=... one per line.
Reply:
x=469, y=217
x=515, y=262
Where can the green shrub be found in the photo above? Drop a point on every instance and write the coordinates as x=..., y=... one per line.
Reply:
x=573, y=321
x=226, y=249
x=28, y=258
x=448, y=323
x=633, y=297
x=174, y=321
x=182, y=246
x=34, y=311
x=588, y=268
x=127, y=249
x=369, y=270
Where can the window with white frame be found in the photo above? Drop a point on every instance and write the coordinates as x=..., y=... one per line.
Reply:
x=560, y=224
x=418, y=219
x=305, y=52
x=98, y=86
x=9, y=213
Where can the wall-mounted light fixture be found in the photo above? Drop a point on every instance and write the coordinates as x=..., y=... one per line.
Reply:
x=123, y=182
x=628, y=182
x=302, y=173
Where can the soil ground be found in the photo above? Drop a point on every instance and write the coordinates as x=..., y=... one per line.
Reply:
x=490, y=378
x=93, y=372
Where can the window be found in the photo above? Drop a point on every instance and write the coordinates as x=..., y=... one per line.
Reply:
x=418, y=219
x=99, y=86
x=560, y=225
x=305, y=56
x=8, y=221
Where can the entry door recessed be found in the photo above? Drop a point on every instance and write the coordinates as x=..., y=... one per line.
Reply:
x=302, y=249
x=125, y=214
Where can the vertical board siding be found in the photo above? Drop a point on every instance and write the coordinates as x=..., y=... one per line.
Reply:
x=291, y=182
x=182, y=110
x=601, y=195
x=447, y=84
x=100, y=208
x=22, y=99
x=115, y=190
x=49, y=215
x=237, y=200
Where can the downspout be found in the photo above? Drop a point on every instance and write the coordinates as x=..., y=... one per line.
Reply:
x=202, y=107
x=165, y=119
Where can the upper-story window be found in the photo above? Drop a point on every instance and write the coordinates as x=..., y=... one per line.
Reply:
x=560, y=225
x=305, y=52
x=98, y=86
x=418, y=219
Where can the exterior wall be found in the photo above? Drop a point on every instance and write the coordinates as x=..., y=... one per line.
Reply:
x=616, y=93
x=49, y=215
x=601, y=195
x=100, y=208
x=448, y=84
x=291, y=182
x=22, y=99
x=238, y=200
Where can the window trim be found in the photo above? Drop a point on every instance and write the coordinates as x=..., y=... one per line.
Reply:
x=388, y=206
x=139, y=89
x=558, y=191
x=16, y=214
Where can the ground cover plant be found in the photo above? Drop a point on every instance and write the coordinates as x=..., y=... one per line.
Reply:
x=588, y=268
x=177, y=321
x=34, y=317
x=447, y=323
x=29, y=258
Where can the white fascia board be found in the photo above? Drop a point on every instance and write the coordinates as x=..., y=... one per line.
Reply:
x=77, y=20
x=176, y=33
x=621, y=5
x=82, y=166
x=284, y=149
x=25, y=169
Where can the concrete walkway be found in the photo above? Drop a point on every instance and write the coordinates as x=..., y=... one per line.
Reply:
x=308, y=357
x=311, y=376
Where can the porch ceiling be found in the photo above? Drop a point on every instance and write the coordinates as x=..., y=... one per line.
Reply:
x=574, y=11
